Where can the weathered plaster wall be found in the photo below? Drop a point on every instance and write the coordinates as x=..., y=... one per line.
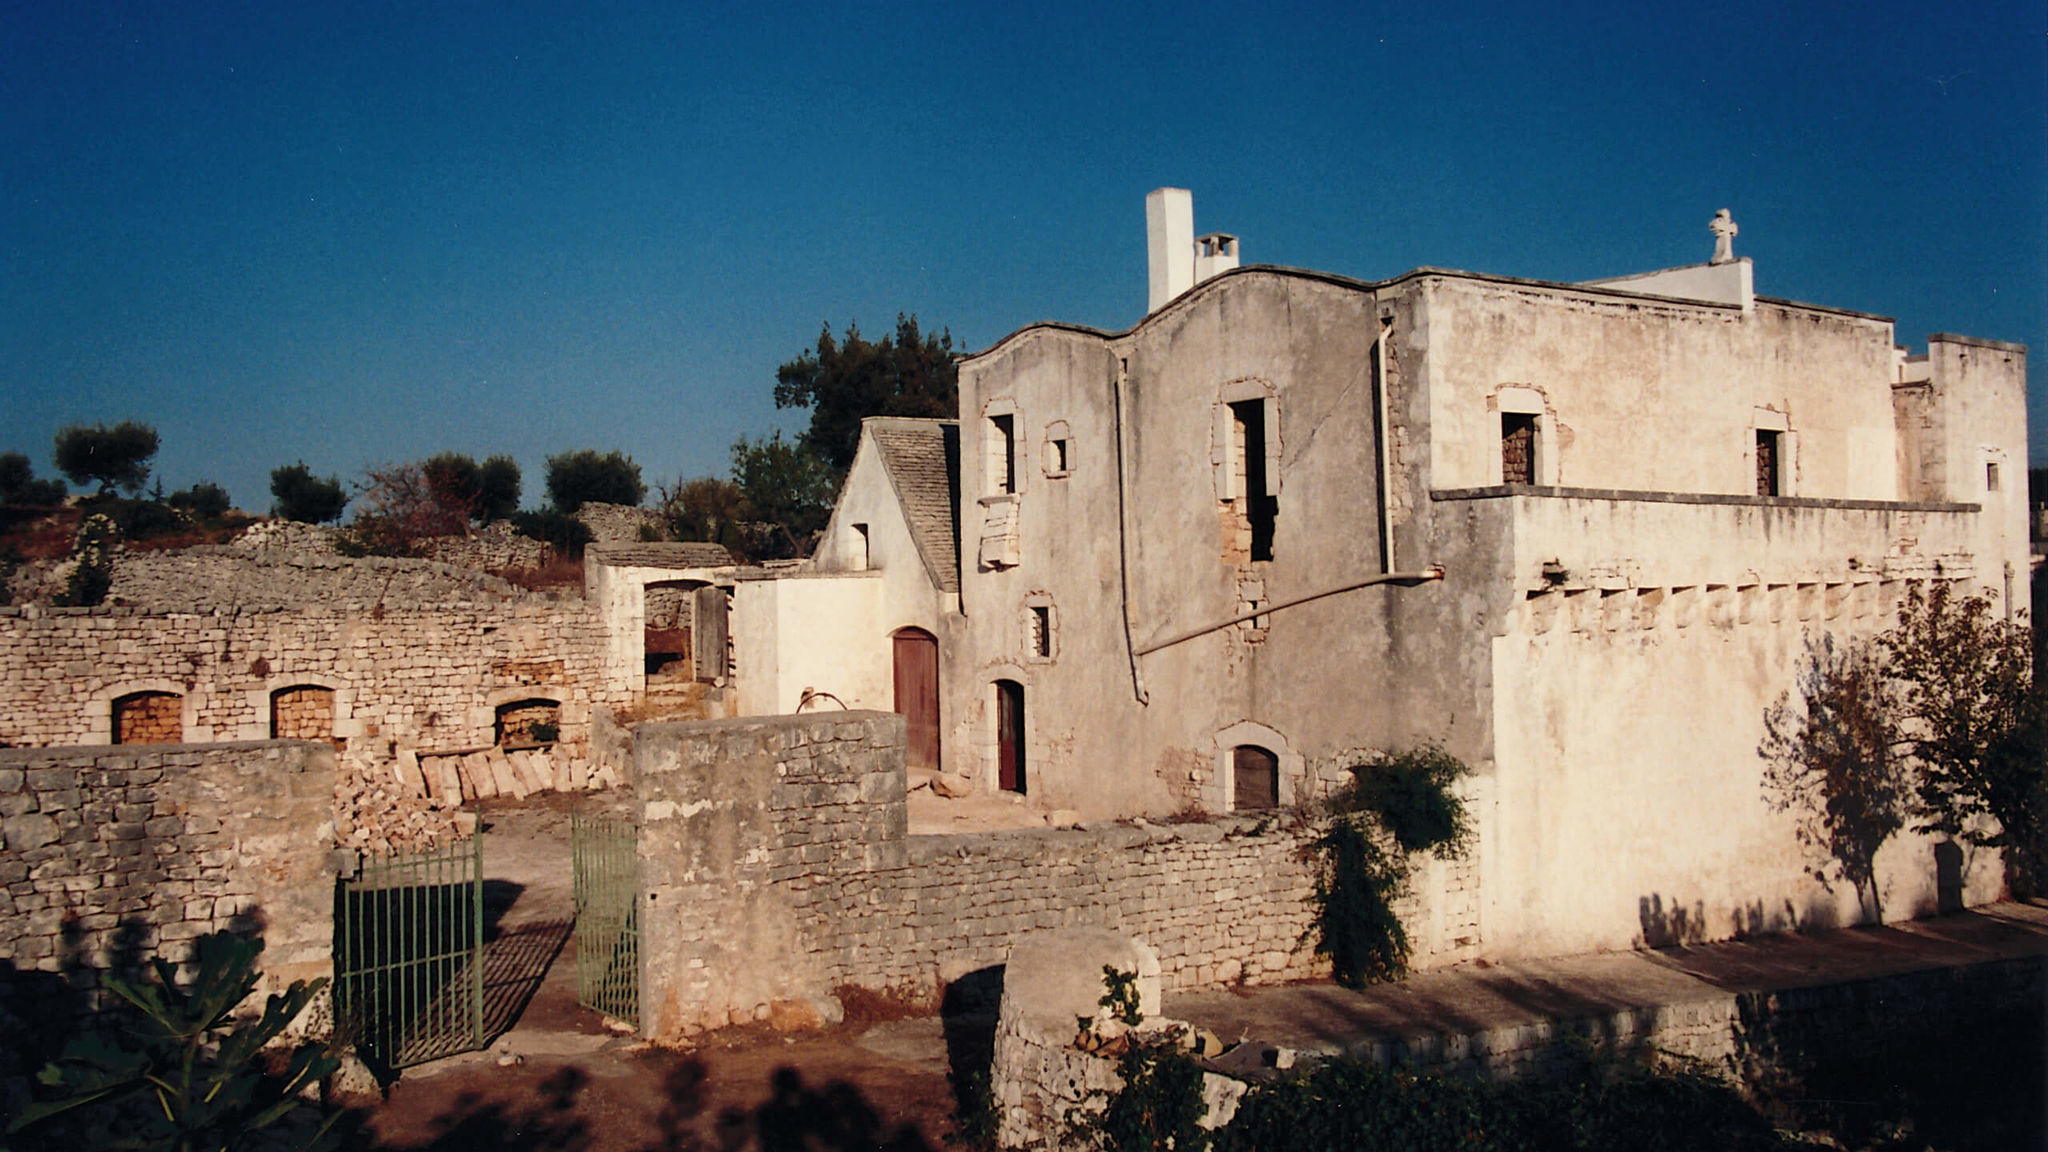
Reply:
x=1658, y=396
x=429, y=676
x=774, y=867
x=111, y=855
x=822, y=631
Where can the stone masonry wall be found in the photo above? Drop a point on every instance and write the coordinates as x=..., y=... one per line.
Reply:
x=427, y=676
x=111, y=855
x=775, y=867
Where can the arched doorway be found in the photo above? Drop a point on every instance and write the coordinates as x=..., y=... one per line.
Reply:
x=916, y=653
x=1254, y=778
x=303, y=712
x=1011, y=775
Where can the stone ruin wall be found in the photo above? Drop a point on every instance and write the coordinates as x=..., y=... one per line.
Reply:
x=775, y=867
x=111, y=855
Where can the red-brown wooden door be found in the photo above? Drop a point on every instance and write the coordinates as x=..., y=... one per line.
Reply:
x=917, y=694
x=1010, y=774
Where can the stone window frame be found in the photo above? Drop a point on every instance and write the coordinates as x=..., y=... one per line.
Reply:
x=997, y=464
x=1058, y=451
x=1995, y=473
x=1770, y=420
x=1032, y=605
x=1528, y=400
x=575, y=709
x=345, y=723
x=1220, y=795
x=1230, y=483
x=99, y=722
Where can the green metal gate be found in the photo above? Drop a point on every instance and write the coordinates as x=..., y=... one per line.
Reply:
x=408, y=954
x=606, y=852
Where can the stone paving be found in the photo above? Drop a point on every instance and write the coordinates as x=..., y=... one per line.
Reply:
x=1473, y=1000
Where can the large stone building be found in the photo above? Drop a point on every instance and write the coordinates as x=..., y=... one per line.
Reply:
x=1581, y=534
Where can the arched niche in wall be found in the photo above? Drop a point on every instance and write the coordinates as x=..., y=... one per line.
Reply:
x=148, y=711
x=300, y=695
x=1272, y=769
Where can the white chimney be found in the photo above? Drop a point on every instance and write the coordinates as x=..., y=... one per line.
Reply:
x=1169, y=243
x=1176, y=260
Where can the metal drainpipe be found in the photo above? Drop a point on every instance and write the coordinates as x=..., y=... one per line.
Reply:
x=1123, y=521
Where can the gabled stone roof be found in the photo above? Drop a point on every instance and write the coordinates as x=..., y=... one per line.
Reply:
x=922, y=458
x=660, y=554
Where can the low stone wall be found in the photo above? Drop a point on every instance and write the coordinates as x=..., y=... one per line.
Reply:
x=775, y=867
x=230, y=576
x=111, y=855
x=493, y=548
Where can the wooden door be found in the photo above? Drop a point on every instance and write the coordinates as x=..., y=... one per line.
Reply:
x=1255, y=776
x=707, y=633
x=1010, y=774
x=917, y=695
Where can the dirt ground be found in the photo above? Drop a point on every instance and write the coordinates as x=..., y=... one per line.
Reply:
x=556, y=1078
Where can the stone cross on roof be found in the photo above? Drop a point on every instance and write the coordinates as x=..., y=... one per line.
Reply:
x=1723, y=228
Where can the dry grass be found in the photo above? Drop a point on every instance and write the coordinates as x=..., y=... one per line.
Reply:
x=562, y=574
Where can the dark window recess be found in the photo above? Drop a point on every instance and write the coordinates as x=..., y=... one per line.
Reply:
x=528, y=723
x=1059, y=456
x=1041, y=631
x=1005, y=447
x=1767, y=464
x=1261, y=505
x=860, y=532
x=1991, y=477
x=1010, y=774
x=1255, y=776
x=1517, y=448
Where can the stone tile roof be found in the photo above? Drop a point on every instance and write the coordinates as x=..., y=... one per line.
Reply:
x=922, y=459
x=665, y=554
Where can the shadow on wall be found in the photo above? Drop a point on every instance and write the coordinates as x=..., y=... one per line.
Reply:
x=1674, y=924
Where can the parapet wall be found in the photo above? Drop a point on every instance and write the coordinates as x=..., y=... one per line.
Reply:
x=426, y=675
x=111, y=855
x=775, y=867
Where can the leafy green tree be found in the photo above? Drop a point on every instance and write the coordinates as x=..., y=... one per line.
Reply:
x=498, y=486
x=585, y=477
x=787, y=487
x=205, y=500
x=185, y=1074
x=19, y=486
x=300, y=495
x=1971, y=722
x=1831, y=760
x=116, y=457
x=844, y=381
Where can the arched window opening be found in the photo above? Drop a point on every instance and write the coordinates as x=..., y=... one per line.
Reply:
x=1255, y=778
x=303, y=712
x=529, y=723
x=149, y=718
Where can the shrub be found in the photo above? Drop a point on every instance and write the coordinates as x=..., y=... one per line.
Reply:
x=565, y=533
x=1406, y=798
x=300, y=495
x=19, y=486
x=93, y=574
x=183, y=1073
x=205, y=500
x=584, y=477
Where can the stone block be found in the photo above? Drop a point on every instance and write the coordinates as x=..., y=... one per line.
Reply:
x=30, y=830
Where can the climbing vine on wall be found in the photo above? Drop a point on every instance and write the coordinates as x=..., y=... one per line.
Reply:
x=1396, y=805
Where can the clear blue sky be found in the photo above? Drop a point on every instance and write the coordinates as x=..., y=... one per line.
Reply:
x=364, y=232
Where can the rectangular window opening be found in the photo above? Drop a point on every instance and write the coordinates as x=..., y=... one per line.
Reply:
x=1769, y=474
x=862, y=557
x=1517, y=448
x=1059, y=457
x=1041, y=631
x=1991, y=477
x=1261, y=504
x=1004, y=446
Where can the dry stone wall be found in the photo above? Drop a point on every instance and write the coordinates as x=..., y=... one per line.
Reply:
x=111, y=855
x=228, y=576
x=426, y=676
x=776, y=867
